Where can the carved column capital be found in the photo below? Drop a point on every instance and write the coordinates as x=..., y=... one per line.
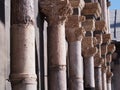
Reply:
x=106, y=38
x=103, y=51
x=89, y=25
x=74, y=21
x=104, y=68
x=109, y=76
x=111, y=48
x=100, y=26
x=74, y=31
x=99, y=38
x=87, y=47
x=77, y=3
x=74, y=34
x=56, y=11
x=98, y=61
x=92, y=9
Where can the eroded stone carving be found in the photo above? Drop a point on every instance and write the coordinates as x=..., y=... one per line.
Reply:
x=56, y=11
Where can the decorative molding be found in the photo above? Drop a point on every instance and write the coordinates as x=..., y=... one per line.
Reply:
x=77, y=3
x=56, y=11
x=106, y=38
x=92, y=9
x=100, y=26
x=89, y=25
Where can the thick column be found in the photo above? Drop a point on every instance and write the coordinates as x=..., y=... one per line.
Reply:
x=22, y=75
x=88, y=51
x=56, y=13
x=111, y=49
x=99, y=29
x=74, y=35
x=106, y=41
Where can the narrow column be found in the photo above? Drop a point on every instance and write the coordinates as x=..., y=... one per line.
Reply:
x=106, y=41
x=56, y=12
x=98, y=61
x=111, y=49
x=91, y=11
x=22, y=75
x=99, y=29
x=88, y=51
x=104, y=11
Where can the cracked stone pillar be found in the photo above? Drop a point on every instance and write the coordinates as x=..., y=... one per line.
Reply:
x=111, y=49
x=99, y=29
x=56, y=12
x=74, y=35
x=88, y=51
x=91, y=11
x=22, y=73
x=106, y=41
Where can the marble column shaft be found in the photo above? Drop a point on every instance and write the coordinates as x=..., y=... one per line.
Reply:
x=56, y=13
x=22, y=73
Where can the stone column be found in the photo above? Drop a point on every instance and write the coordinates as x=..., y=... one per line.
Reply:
x=111, y=49
x=88, y=51
x=97, y=62
x=74, y=34
x=104, y=11
x=106, y=41
x=22, y=73
x=56, y=12
x=99, y=29
x=108, y=15
x=91, y=11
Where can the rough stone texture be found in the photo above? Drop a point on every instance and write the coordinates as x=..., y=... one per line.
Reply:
x=92, y=9
x=77, y=3
x=100, y=26
x=22, y=70
x=89, y=25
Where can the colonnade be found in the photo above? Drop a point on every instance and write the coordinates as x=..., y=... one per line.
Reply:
x=83, y=25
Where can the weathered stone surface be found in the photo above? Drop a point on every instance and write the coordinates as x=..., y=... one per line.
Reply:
x=106, y=38
x=111, y=48
x=100, y=26
x=99, y=38
x=98, y=61
x=89, y=25
x=92, y=9
x=56, y=11
x=77, y=3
